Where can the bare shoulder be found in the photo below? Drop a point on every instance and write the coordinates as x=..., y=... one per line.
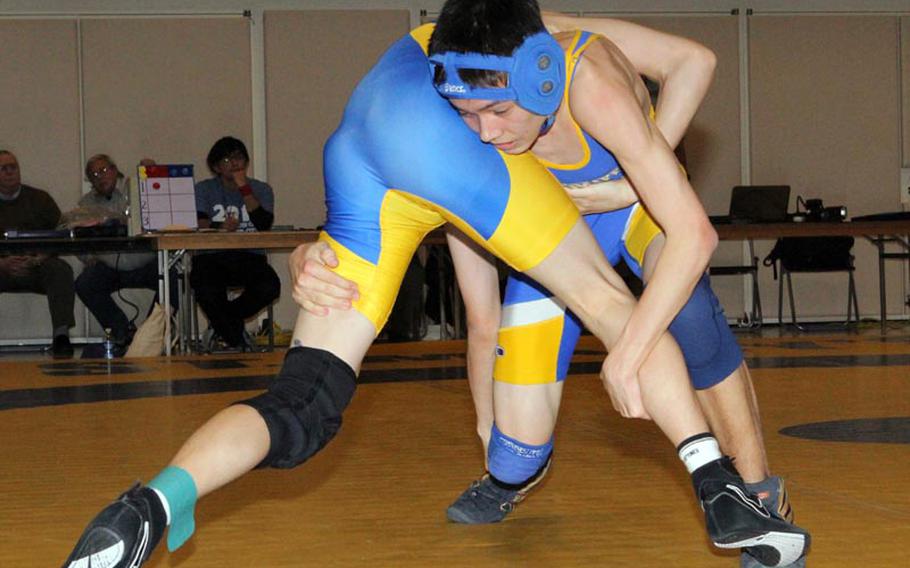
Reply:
x=604, y=58
x=607, y=95
x=604, y=72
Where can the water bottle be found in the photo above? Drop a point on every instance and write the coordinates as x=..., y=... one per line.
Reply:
x=108, y=345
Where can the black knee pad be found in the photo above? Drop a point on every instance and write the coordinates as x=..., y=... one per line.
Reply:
x=303, y=405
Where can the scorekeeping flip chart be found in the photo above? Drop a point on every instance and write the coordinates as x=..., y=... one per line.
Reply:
x=166, y=197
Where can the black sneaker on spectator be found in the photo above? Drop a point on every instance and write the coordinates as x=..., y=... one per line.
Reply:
x=62, y=348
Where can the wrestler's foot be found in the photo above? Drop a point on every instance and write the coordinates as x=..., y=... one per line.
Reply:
x=487, y=501
x=124, y=533
x=775, y=500
x=737, y=519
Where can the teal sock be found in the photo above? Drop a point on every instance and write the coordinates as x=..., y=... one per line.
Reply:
x=179, y=489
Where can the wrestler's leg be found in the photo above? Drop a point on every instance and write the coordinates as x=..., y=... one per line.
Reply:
x=299, y=413
x=478, y=282
x=732, y=411
x=538, y=348
x=291, y=421
x=597, y=294
x=727, y=400
x=517, y=461
x=236, y=439
x=730, y=405
x=535, y=341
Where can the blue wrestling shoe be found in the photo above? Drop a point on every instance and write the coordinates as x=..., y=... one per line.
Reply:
x=736, y=518
x=488, y=501
x=775, y=500
x=124, y=533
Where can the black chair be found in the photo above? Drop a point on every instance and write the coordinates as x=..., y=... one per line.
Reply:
x=753, y=204
x=813, y=255
x=755, y=316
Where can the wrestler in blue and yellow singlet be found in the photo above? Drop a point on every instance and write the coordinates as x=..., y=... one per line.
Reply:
x=538, y=335
x=402, y=163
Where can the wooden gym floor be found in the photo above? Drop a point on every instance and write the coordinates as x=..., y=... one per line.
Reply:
x=836, y=410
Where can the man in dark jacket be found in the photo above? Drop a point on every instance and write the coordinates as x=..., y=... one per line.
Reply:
x=24, y=207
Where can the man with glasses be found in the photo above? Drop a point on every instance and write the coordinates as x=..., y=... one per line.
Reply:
x=231, y=201
x=25, y=208
x=105, y=274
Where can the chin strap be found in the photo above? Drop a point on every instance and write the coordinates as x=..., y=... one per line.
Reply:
x=547, y=124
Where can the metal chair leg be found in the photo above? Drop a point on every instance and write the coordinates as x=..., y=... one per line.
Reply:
x=271, y=315
x=792, y=301
x=852, y=302
x=780, y=300
x=757, y=315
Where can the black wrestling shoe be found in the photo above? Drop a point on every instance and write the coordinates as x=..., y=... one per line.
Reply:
x=487, y=501
x=775, y=500
x=736, y=518
x=124, y=533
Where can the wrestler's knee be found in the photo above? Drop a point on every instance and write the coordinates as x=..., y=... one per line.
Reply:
x=303, y=405
x=483, y=326
x=708, y=346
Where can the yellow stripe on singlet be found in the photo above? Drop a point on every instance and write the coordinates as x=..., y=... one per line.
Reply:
x=404, y=221
x=529, y=354
x=640, y=231
x=422, y=35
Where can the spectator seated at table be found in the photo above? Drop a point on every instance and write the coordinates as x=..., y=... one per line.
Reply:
x=104, y=274
x=24, y=207
x=231, y=201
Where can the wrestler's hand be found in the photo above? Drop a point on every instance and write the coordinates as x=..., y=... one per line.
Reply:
x=316, y=287
x=603, y=196
x=621, y=382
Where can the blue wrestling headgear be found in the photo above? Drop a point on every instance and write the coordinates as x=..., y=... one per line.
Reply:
x=536, y=74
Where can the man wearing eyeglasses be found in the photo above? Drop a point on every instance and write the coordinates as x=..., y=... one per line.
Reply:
x=232, y=201
x=105, y=274
x=24, y=207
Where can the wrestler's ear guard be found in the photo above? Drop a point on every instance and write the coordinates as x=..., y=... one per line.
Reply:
x=536, y=74
x=539, y=74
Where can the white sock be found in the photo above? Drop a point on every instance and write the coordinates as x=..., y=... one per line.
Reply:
x=164, y=503
x=698, y=451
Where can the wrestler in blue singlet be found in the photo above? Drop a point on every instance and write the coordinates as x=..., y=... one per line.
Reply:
x=402, y=163
x=532, y=318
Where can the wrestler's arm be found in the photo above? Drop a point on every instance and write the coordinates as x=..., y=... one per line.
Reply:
x=605, y=104
x=603, y=196
x=683, y=68
x=478, y=281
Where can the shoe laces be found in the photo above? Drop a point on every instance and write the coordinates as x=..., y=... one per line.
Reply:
x=485, y=487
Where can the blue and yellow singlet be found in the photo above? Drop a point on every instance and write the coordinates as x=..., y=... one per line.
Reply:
x=402, y=162
x=538, y=334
